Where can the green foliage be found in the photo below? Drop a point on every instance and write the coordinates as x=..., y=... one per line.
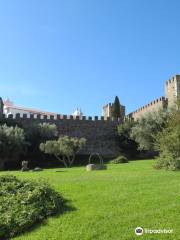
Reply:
x=64, y=149
x=121, y=196
x=127, y=144
x=23, y=203
x=47, y=131
x=12, y=142
x=168, y=143
x=116, y=113
x=119, y=159
x=168, y=162
x=147, y=127
x=38, y=133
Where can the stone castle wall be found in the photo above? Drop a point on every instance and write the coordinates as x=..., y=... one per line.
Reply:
x=101, y=135
x=160, y=103
x=172, y=89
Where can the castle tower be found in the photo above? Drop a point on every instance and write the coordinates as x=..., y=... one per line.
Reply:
x=172, y=90
x=108, y=108
x=107, y=111
x=1, y=107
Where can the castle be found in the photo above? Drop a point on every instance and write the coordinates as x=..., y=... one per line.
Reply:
x=101, y=133
x=172, y=91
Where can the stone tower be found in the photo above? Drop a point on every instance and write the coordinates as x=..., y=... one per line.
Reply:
x=1, y=107
x=108, y=108
x=172, y=90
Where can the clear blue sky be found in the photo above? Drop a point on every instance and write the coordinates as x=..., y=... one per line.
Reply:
x=56, y=55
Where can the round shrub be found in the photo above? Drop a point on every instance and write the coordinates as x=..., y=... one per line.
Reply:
x=120, y=159
x=23, y=203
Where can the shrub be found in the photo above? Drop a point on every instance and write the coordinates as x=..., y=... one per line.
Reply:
x=168, y=162
x=147, y=127
x=23, y=203
x=120, y=159
x=38, y=133
x=168, y=142
x=127, y=145
x=12, y=143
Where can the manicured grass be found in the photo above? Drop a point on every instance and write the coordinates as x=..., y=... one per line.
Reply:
x=110, y=204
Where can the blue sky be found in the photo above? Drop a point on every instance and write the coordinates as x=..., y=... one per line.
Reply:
x=58, y=55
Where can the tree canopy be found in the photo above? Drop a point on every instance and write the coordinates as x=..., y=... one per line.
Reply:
x=64, y=149
x=168, y=142
x=12, y=142
x=147, y=127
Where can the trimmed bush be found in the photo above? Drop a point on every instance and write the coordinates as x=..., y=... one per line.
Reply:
x=24, y=203
x=119, y=159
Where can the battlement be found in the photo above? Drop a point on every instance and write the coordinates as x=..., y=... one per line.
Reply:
x=99, y=132
x=107, y=105
x=54, y=118
x=172, y=89
x=156, y=102
x=159, y=103
x=173, y=79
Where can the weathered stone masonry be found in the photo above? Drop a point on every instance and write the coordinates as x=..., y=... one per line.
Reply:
x=172, y=92
x=101, y=135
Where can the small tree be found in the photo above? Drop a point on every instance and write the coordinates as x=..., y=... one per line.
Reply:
x=64, y=149
x=12, y=143
x=126, y=143
x=47, y=131
x=168, y=142
x=147, y=127
x=38, y=133
x=116, y=111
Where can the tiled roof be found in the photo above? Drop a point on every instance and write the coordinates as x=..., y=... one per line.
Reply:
x=30, y=110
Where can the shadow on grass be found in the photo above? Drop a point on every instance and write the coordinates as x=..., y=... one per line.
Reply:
x=65, y=208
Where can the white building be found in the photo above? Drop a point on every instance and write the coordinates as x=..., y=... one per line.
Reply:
x=10, y=108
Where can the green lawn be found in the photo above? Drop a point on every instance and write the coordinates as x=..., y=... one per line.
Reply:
x=109, y=204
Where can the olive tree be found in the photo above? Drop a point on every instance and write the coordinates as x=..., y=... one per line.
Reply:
x=126, y=143
x=38, y=133
x=168, y=142
x=147, y=127
x=64, y=149
x=12, y=143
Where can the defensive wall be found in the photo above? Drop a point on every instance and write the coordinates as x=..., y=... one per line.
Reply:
x=160, y=103
x=101, y=134
x=172, y=91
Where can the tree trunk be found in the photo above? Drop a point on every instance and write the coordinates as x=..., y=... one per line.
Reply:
x=72, y=161
x=62, y=160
